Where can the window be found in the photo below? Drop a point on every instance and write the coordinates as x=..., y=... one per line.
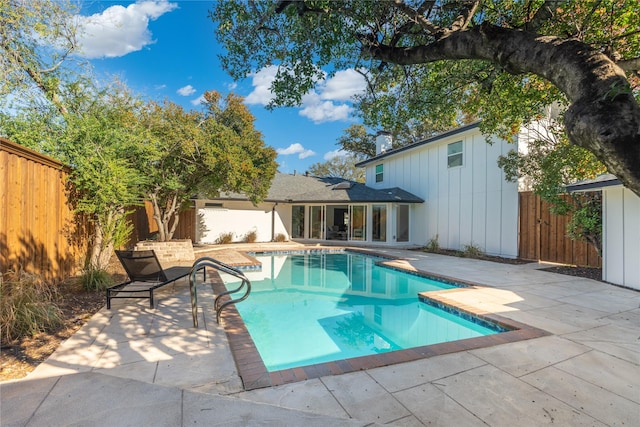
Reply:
x=379, y=172
x=454, y=154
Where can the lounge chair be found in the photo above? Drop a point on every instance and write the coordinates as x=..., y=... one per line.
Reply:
x=145, y=276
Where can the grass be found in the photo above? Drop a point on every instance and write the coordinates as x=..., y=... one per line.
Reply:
x=27, y=306
x=250, y=237
x=224, y=238
x=94, y=279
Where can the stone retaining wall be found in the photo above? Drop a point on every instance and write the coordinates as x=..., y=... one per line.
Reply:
x=174, y=250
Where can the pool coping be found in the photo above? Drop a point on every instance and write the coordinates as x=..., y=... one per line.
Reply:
x=254, y=374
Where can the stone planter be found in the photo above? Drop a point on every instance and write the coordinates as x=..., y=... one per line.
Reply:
x=174, y=250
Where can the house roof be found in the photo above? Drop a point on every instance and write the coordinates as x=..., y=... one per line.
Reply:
x=601, y=181
x=438, y=137
x=310, y=189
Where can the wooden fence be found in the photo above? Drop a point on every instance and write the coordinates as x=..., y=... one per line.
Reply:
x=145, y=227
x=38, y=230
x=543, y=236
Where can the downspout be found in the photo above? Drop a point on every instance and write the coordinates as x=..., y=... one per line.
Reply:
x=273, y=222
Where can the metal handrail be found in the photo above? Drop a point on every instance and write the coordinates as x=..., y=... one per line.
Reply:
x=225, y=268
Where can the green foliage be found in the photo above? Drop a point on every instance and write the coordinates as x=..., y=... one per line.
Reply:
x=303, y=38
x=549, y=164
x=27, y=306
x=36, y=39
x=472, y=251
x=203, y=152
x=421, y=78
x=224, y=238
x=432, y=245
x=586, y=219
x=339, y=167
x=94, y=279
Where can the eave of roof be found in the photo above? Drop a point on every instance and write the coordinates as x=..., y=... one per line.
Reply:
x=432, y=139
x=601, y=181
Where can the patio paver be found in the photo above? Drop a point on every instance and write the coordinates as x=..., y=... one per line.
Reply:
x=135, y=365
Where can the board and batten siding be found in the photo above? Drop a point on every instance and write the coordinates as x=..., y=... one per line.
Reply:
x=467, y=205
x=621, y=237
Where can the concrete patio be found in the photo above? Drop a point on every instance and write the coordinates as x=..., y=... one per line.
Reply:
x=138, y=366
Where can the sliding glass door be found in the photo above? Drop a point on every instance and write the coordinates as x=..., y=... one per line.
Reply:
x=379, y=223
x=317, y=216
x=357, y=222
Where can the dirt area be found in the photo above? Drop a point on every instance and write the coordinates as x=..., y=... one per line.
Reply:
x=19, y=358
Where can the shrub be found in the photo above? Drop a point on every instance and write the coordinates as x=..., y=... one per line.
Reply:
x=432, y=245
x=250, y=237
x=27, y=306
x=280, y=237
x=95, y=279
x=472, y=251
x=224, y=238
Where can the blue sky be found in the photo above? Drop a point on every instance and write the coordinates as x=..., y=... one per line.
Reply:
x=168, y=50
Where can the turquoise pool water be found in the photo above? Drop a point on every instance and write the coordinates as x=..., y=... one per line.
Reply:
x=319, y=307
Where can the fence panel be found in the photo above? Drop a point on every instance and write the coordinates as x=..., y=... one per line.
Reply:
x=38, y=230
x=543, y=236
x=145, y=227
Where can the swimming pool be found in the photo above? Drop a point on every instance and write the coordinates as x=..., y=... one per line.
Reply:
x=313, y=308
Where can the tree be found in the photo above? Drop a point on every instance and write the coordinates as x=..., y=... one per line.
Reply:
x=98, y=137
x=339, y=167
x=547, y=165
x=503, y=61
x=205, y=152
x=37, y=38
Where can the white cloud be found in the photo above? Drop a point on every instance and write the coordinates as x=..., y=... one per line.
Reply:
x=328, y=103
x=118, y=31
x=261, y=82
x=296, y=148
x=199, y=100
x=343, y=86
x=319, y=111
x=186, y=90
x=335, y=153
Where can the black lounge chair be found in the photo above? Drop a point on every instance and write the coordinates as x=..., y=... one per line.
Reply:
x=145, y=276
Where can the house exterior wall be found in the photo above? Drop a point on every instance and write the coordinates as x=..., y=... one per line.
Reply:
x=464, y=205
x=621, y=237
x=239, y=218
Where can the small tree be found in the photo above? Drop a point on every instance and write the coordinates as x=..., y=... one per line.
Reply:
x=549, y=163
x=98, y=137
x=204, y=152
x=339, y=167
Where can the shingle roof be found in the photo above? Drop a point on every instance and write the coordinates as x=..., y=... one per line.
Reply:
x=310, y=189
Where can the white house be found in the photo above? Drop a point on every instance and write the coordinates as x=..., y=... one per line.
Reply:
x=310, y=208
x=467, y=199
x=448, y=187
x=620, y=230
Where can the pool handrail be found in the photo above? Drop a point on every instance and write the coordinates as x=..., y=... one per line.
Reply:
x=225, y=268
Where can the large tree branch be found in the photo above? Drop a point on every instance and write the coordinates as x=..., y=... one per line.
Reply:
x=629, y=65
x=596, y=87
x=542, y=15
